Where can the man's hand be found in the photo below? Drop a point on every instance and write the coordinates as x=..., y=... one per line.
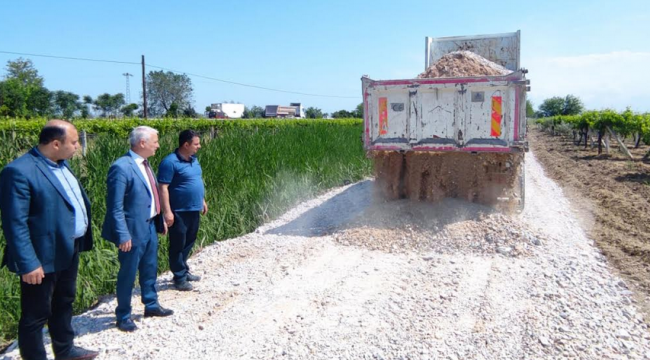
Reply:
x=205, y=208
x=165, y=228
x=35, y=277
x=125, y=246
x=169, y=218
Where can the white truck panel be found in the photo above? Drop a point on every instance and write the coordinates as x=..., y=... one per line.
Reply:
x=453, y=114
x=398, y=126
x=438, y=117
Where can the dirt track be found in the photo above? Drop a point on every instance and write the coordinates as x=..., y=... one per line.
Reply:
x=343, y=277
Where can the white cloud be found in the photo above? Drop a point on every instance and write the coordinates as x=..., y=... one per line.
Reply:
x=611, y=80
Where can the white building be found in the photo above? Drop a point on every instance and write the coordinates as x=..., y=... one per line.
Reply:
x=226, y=111
x=294, y=110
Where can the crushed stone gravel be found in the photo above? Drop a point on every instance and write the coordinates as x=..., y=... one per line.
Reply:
x=333, y=278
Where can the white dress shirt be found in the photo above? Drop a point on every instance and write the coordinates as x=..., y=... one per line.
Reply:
x=139, y=160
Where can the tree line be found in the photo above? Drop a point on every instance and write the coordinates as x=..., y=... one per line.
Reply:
x=23, y=95
x=568, y=115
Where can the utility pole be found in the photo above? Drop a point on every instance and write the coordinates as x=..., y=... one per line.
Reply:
x=144, y=90
x=128, y=88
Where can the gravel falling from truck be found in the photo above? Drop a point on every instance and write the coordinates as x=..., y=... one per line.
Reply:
x=485, y=178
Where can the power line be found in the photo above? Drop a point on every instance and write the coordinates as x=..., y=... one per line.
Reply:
x=180, y=72
x=252, y=86
x=70, y=58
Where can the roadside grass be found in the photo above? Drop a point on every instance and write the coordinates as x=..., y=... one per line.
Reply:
x=252, y=175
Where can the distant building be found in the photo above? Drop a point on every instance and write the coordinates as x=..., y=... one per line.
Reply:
x=226, y=111
x=295, y=110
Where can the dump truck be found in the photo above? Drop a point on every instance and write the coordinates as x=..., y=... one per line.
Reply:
x=461, y=137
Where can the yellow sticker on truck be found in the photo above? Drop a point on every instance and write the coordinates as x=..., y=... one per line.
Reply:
x=383, y=116
x=496, y=116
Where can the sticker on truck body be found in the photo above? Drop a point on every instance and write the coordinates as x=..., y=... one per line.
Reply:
x=478, y=96
x=496, y=116
x=397, y=107
x=383, y=116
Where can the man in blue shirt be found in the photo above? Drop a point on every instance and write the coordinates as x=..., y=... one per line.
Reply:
x=182, y=195
x=46, y=221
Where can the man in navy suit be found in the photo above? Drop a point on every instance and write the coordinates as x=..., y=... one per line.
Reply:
x=46, y=222
x=132, y=209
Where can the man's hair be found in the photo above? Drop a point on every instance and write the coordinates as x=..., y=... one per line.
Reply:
x=186, y=136
x=141, y=133
x=51, y=133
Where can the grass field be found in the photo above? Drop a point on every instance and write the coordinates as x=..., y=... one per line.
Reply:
x=252, y=174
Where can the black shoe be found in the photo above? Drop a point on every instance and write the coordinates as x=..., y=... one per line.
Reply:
x=126, y=325
x=183, y=286
x=192, y=277
x=159, y=312
x=78, y=353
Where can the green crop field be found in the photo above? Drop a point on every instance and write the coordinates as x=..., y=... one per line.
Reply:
x=253, y=171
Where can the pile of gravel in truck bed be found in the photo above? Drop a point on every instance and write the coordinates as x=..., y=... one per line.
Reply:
x=463, y=64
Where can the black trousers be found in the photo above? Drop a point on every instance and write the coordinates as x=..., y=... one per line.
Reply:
x=182, y=236
x=49, y=302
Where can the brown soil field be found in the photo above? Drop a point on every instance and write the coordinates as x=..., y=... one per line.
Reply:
x=611, y=195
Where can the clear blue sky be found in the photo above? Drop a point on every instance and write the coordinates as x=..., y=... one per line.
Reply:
x=597, y=50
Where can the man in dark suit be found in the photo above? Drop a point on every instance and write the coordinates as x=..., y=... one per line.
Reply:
x=132, y=210
x=46, y=222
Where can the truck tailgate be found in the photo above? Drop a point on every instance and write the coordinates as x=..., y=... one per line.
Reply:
x=473, y=114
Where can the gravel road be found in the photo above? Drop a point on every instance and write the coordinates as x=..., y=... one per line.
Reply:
x=344, y=276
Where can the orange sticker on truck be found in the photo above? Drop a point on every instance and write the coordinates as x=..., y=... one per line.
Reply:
x=383, y=116
x=496, y=116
